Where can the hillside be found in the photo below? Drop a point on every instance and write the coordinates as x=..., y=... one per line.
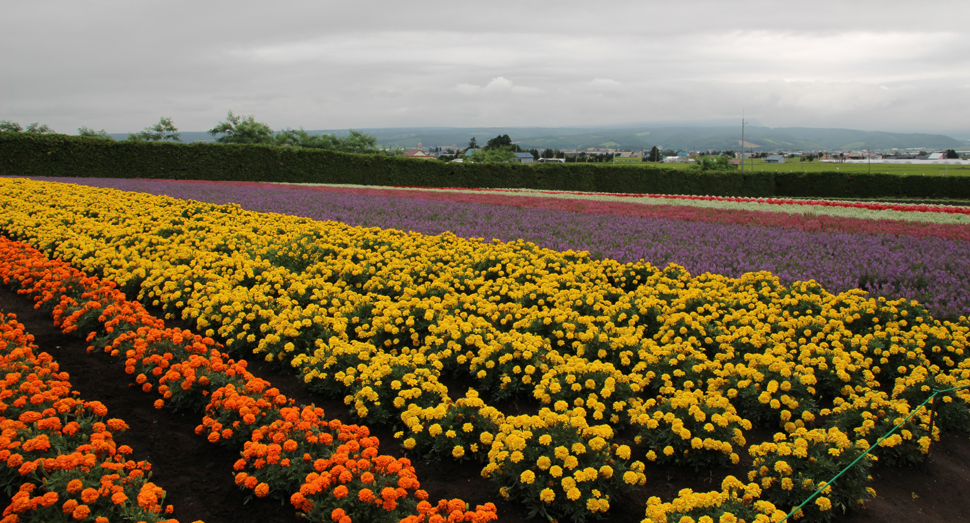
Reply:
x=669, y=137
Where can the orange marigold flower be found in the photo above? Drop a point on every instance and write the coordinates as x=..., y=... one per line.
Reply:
x=81, y=512
x=337, y=514
x=48, y=499
x=289, y=445
x=366, y=495
x=367, y=478
x=69, y=506
x=15, y=461
x=118, y=498
x=159, y=404
x=27, y=468
x=89, y=495
x=388, y=494
x=340, y=492
x=116, y=424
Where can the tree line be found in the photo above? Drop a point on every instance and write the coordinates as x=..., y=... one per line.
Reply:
x=235, y=129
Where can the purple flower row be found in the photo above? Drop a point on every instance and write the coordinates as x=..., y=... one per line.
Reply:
x=929, y=269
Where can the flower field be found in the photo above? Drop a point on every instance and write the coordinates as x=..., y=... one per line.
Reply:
x=623, y=366
x=891, y=251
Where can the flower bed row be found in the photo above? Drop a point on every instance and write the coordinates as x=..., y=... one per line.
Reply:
x=57, y=451
x=688, y=364
x=888, y=258
x=770, y=201
x=328, y=470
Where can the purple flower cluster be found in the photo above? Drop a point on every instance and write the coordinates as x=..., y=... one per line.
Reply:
x=927, y=269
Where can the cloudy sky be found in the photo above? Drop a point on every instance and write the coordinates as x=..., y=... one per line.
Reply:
x=120, y=65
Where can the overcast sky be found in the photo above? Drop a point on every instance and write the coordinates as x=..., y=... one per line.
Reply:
x=120, y=65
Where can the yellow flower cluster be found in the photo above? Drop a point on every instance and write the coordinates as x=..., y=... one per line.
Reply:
x=735, y=502
x=692, y=426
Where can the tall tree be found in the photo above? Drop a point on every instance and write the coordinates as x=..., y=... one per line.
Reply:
x=163, y=130
x=654, y=155
x=239, y=129
x=501, y=140
x=472, y=144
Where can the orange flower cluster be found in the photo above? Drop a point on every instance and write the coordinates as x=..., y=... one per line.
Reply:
x=330, y=471
x=60, y=449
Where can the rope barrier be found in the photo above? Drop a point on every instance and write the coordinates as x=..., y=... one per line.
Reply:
x=826, y=485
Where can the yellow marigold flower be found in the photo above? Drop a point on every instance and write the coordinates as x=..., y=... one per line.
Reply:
x=783, y=468
x=527, y=477
x=458, y=451
x=410, y=443
x=623, y=452
x=668, y=451
x=547, y=495
x=574, y=494
x=630, y=477
x=823, y=503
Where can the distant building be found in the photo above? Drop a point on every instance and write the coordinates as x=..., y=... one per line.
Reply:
x=524, y=157
x=552, y=160
x=418, y=153
x=775, y=158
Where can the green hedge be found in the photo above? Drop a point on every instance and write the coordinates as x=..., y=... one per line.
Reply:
x=26, y=154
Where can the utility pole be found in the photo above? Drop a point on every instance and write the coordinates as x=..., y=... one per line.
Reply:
x=742, y=140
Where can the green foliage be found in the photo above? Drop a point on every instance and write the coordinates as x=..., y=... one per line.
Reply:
x=37, y=128
x=354, y=142
x=163, y=130
x=242, y=129
x=714, y=163
x=30, y=154
x=654, y=155
x=84, y=131
x=500, y=142
x=7, y=126
x=497, y=155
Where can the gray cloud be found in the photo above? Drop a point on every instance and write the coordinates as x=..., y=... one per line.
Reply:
x=120, y=65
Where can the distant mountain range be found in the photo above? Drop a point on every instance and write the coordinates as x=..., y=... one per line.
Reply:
x=636, y=138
